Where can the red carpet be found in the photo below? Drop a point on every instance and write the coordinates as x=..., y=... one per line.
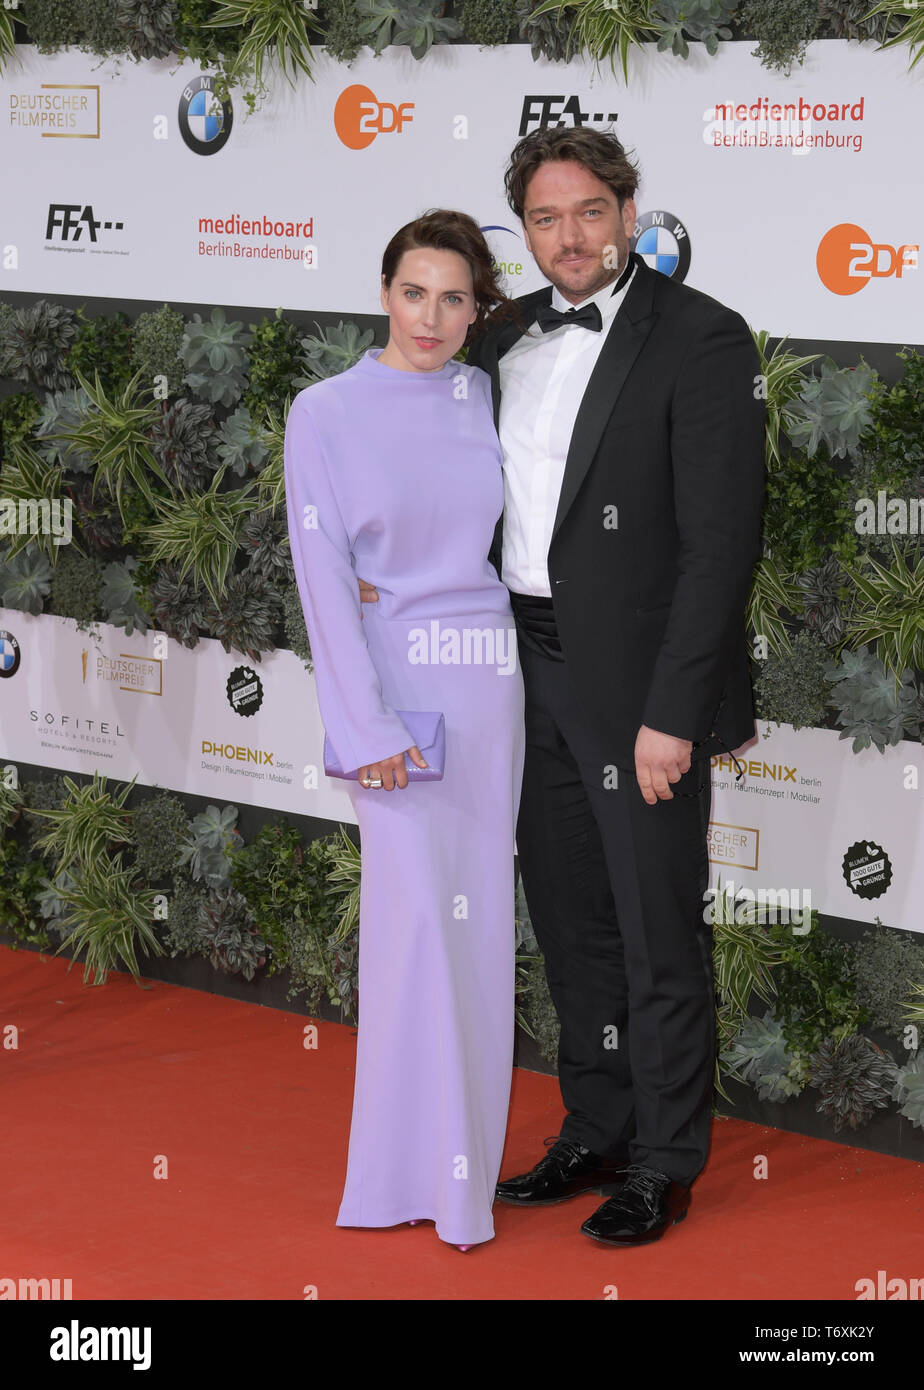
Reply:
x=254, y=1129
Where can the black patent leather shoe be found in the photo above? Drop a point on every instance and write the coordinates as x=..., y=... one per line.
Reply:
x=565, y=1171
x=646, y=1204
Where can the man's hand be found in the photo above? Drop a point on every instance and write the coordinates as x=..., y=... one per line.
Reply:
x=368, y=593
x=660, y=759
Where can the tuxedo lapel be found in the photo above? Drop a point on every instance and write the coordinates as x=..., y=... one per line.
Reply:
x=624, y=341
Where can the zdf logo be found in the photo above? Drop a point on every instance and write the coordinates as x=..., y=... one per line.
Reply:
x=359, y=117
x=847, y=259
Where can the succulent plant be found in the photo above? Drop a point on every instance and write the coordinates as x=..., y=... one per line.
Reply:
x=178, y=605
x=212, y=834
x=235, y=943
x=909, y=1090
x=183, y=443
x=247, y=618
x=50, y=902
x=419, y=25
x=704, y=21
x=35, y=344
x=214, y=353
x=121, y=602
x=758, y=1054
x=855, y=1078
x=868, y=707
x=833, y=408
x=147, y=27
x=63, y=410
x=242, y=443
x=25, y=580
x=332, y=351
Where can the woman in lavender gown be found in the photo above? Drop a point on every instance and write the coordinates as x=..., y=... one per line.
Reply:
x=393, y=472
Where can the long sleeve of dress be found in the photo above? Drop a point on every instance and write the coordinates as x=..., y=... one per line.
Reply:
x=361, y=727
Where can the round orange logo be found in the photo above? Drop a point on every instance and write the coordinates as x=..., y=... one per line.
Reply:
x=351, y=116
x=838, y=252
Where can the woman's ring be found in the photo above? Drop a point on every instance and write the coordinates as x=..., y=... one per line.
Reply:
x=374, y=782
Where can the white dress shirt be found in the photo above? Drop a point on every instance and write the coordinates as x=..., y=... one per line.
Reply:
x=543, y=377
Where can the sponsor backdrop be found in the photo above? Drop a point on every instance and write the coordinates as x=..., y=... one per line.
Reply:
x=789, y=199
x=807, y=815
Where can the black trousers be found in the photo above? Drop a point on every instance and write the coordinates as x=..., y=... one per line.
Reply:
x=615, y=890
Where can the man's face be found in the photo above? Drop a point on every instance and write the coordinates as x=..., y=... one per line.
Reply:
x=574, y=228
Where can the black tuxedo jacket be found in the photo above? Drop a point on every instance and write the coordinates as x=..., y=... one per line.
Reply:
x=670, y=433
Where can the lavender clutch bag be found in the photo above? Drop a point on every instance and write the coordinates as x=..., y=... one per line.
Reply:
x=428, y=730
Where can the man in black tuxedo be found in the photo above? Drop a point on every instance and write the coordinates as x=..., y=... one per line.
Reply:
x=633, y=445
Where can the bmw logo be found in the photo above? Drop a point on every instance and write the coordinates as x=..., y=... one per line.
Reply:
x=9, y=654
x=204, y=128
x=662, y=241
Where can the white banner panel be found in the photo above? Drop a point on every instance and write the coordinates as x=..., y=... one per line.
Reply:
x=794, y=200
x=810, y=814
x=198, y=720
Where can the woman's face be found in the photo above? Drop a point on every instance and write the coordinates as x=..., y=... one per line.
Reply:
x=430, y=305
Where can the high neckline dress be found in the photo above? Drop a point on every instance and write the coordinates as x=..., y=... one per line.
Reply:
x=396, y=476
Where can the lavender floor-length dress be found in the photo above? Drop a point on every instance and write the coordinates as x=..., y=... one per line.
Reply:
x=396, y=476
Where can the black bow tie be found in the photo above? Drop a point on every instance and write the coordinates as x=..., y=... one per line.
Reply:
x=588, y=316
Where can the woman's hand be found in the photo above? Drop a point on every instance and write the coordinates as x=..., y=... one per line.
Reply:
x=390, y=770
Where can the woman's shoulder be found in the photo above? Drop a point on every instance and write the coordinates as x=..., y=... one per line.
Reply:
x=478, y=378
x=322, y=400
